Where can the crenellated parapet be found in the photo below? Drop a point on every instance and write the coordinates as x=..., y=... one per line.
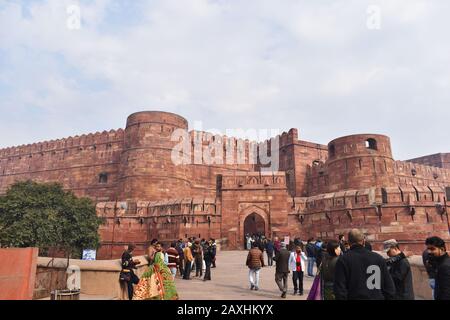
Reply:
x=408, y=214
x=410, y=173
x=222, y=151
x=156, y=209
x=85, y=140
x=254, y=180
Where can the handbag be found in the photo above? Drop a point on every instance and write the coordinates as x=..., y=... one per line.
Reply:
x=125, y=275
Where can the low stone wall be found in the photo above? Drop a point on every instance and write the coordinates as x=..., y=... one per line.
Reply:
x=100, y=277
x=422, y=289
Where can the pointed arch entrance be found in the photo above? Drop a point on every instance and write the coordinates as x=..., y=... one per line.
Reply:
x=252, y=220
x=254, y=224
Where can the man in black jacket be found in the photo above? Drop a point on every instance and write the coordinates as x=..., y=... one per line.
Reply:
x=400, y=271
x=361, y=274
x=436, y=248
x=282, y=269
x=128, y=264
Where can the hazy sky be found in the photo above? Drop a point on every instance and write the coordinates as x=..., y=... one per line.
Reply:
x=328, y=68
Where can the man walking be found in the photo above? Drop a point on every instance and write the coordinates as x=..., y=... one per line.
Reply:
x=400, y=271
x=297, y=265
x=361, y=274
x=436, y=248
x=282, y=269
x=255, y=261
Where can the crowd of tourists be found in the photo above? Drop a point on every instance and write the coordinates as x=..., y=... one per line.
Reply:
x=286, y=261
x=345, y=269
x=164, y=264
x=349, y=269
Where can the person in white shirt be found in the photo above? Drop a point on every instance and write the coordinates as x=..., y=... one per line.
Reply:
x=297, y=266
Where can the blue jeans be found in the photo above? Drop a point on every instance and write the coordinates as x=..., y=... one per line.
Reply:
x=173, y=271
x=311, y=261
x=432, y=283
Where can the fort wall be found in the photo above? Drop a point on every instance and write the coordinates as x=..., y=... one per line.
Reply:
x=316, y=191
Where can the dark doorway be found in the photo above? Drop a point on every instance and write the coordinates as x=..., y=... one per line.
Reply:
x=254, y=224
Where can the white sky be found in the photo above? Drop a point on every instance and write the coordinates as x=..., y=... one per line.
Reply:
x=311, y=65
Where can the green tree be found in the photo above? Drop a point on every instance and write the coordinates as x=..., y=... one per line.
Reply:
x=43, y=215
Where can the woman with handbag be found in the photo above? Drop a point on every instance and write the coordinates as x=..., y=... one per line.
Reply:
x=127, y=274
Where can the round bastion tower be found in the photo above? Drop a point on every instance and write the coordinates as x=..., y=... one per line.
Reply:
x=360, y=161
x=146, y=169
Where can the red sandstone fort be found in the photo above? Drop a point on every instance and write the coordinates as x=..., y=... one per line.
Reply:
x=317, y=191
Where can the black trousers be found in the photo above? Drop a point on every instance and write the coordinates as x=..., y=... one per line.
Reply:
x=269, y=258
x=297, y=279
x=187, y=270
x=198, y=267
x=134, y=280
x=181, y=267
x=208, y=270
x=214, y=262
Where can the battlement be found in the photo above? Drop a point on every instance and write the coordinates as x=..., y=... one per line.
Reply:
x=352, y=199
x=284, y=139
x=91, y=139
x=231, y=150
x=410, y=173
x=180, y=206
x=254, y=180
x=441, y=160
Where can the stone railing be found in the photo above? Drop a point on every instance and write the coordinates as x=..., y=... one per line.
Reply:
x=422, y=289
x=100, y=277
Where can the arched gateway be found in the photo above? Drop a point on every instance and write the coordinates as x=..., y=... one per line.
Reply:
x=254, y=224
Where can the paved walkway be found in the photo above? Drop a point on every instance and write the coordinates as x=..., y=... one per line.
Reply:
x=230, y=282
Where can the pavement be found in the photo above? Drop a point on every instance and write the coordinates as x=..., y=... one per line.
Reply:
x=230, y=282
